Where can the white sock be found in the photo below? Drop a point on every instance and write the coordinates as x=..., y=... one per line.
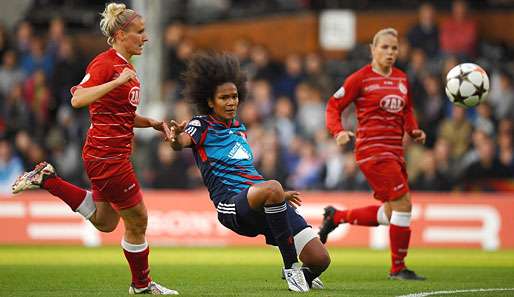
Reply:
x=400, y=218
x=382, y=217
x=88, y=207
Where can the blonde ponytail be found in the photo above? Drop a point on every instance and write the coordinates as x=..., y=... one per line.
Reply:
x=116, y=16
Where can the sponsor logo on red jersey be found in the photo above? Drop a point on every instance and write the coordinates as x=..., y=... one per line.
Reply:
x=392, y=103
x=133, y=96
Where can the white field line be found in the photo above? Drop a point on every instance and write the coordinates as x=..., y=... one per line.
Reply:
x=424, y=294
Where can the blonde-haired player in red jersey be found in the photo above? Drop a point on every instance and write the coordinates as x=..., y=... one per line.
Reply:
x=110, y=89
x=382, y=101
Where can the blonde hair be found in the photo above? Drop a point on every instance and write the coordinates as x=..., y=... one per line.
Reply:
x=116, y=16
x=386, y=31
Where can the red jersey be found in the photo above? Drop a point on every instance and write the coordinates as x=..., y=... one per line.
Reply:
x=384, y=111
x=112, y=116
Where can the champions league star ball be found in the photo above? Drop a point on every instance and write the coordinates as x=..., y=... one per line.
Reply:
x=467, y=85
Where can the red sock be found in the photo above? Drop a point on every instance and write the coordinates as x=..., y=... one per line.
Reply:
x=365, y=216
x=69, y=193
x=138, y=262
x=399, y=239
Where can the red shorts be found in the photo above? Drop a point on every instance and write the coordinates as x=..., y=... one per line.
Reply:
x=387, y=177
x=114, y=182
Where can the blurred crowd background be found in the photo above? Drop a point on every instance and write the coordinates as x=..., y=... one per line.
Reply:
x=284, y=112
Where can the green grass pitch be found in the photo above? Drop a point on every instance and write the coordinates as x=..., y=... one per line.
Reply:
x=79, y=271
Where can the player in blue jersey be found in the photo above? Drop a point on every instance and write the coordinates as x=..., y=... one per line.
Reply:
x=246, y=203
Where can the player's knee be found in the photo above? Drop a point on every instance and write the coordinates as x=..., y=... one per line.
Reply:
x=273, y=191
x=107, y=227
x=319, y=261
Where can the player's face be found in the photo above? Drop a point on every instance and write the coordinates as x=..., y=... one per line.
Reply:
x=385, y=51
x=225, y=102
x=135, y=37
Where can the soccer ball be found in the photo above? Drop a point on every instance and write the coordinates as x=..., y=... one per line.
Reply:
x=467, y=85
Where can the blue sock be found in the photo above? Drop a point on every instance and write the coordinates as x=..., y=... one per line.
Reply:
x=276, y=216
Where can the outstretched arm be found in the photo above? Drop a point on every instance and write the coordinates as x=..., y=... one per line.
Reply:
x=144, y=122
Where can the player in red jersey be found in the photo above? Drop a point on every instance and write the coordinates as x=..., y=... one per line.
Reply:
x=382, y=101
x=110, y=89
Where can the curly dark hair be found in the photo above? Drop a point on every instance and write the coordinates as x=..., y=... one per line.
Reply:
x=208, y=70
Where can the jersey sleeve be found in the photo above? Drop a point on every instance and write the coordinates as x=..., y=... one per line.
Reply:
x=97, y=73
x=197, y=129
x=410, y=122
x=348, y=92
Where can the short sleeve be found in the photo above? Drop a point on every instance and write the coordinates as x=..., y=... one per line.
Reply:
x=97, y=73
x=197, y=129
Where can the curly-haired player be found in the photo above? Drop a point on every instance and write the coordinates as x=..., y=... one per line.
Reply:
x=246, y=203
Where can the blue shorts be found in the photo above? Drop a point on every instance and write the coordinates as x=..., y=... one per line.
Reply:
x=236, y=214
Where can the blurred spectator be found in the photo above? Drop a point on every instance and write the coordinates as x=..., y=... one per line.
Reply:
x=353, y=179
x=459, y=33
x=262, y=96
x=316, y=74
x=291, y=77
x=184, y=51
x=270, y=163
x=170, y=168
x=430, y=178
x=16, y=112
x=10, y=73
x=23, y=40
x=501, y=96
x=487, y=167
x=173, y=36
x=10, y=167
x=261, y=66
x=69, y=70
x=37, y=94
x=283, y=121
x=56, y=35
x=485, y=120
x=333, y=166
x=241, y=49
x=457, y=131
x=307, y=173
x=505, y=146
x=37, y=59
x=431, y=108
x=311, y=109
x=4, y=40
x=425, y=34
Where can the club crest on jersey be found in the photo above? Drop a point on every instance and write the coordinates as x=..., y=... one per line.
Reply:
x=339, y=93
x=402, y=88
x=133, y=96
x=238, y=152
x=195, y=123
x=392, y=103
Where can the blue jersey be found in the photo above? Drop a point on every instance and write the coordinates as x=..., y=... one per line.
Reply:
x=223, y=156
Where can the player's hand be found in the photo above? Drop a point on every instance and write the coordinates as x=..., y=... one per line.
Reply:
x=293, y=198
x=344, y=137
x=418, y=135
x=163, y=127
x=179, y=128
x=175, y=130
x=126, y=75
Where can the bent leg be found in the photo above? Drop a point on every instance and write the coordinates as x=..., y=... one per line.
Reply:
x=270, y=196
x=105, y=218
